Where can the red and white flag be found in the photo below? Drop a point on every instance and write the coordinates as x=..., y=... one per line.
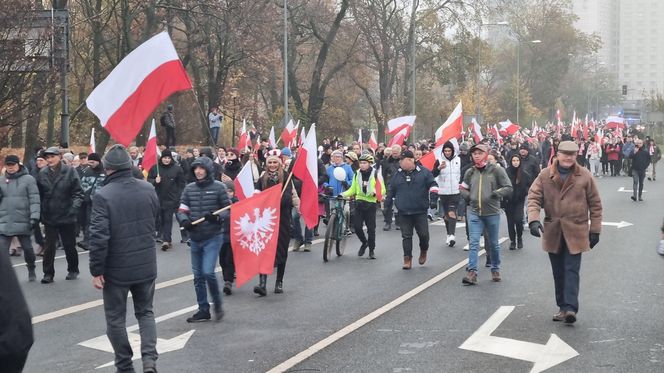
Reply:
x=136, y=86
x=397, y=125
x=400, y=137
x=92, y=148
x=289, y=133
x=558, y=116
x=476, y=131
x=254, y=232
x=152, y=153
x=496, y=134
x=300, y=140
x=244, y=182
x=380, y=183
x=372, y=141
x=613, y=121
x=452, y=127
x=359, y=137
x=509, y=128
x=244, y=140
x=272, y=141
x=306, y=169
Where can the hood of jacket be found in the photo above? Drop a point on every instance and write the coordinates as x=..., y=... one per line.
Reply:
x=21, y=171
x=206, y=163
x=448, y=144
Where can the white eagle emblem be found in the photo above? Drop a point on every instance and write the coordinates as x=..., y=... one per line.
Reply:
x=254, y=235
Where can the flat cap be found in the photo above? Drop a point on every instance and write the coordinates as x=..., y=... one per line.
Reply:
x=568, y=146
x=481, y=147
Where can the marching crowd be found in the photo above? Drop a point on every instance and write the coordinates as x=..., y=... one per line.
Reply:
x=107, y=204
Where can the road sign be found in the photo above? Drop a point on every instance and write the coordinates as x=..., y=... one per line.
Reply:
x=554, y=352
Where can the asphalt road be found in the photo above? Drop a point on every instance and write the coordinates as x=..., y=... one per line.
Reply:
x=359, y=315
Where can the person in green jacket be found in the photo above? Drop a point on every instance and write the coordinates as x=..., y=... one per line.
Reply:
x=367, y=192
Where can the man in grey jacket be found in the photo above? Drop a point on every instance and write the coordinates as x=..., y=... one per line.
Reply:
x=19, y=209
x=123, y=258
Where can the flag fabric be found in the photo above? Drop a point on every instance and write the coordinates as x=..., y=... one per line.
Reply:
x=359, y=137
x=452, y=127
x=273, y=143
x=496, y=134
x=380, y=183
x=300, y=140
x=152, y=153
x=244, y=182
x=476, y=131
x=558, y=116
x=306, y=169
x=372, y=141
x=244, y=140
x=613, y=121
x=257, y=145
x=509, y=128
x=585, y=129
x=396, y=125
x=92, y=148
x=136, y=86
x=400, y=137
x=573, y=130
x=254, y=229
x=429, y=159
x=289, y=133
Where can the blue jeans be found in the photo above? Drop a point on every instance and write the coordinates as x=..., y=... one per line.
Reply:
x=296, y=231
x=476, y=225
x=214, y=131
x=204, y=255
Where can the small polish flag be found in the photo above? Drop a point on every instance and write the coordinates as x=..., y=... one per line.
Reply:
x=396, y=125
x=306, y=170
x=244, y=182
x=243, y=142
x=300, y=140
x=152, y=152
x=289, y=133
x=509, y=127
x=372, y=141
x=359, y=136
x=92, y=148
x=452, y=127
x=273, y=143
x=476, y=131
x=136, y=86
x=380, y=184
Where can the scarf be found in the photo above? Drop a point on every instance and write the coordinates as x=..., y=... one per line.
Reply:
x=482, y=162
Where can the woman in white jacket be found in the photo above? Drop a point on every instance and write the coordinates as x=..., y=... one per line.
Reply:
x=447, y=172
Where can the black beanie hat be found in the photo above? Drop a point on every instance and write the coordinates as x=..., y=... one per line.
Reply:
x=166, y=153
x=117, y=158
x=94, y=157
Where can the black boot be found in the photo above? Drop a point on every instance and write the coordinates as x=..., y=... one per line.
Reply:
x=279, y=287
x=371, y=253
x=519, y=243
x=512, y=245
x=261, y=289
x=32, y=276
x=363, y=248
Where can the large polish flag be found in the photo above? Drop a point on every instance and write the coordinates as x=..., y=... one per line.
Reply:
x=452, y=127
x=400, y=137
x=476, y=131
x=306, y=169
x=136, y=86
x=151, y=150
x=92, y=148
x=509, y=128
x=613, y=121
x=397, y=125
x=300, y=139
x=244, y=182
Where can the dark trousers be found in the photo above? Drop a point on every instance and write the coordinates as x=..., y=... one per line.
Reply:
x=85, y=223
x=365, y=214
x=615, y=167
x=170, y=136
x=39, y=237
x=166, y=223
x=565, y=268
x=514, y=213
x=226, y=262
x=605, y=167
x=26, y=245
x=67, y=236
x=388, y=213
x=115, y=309
x=420, y=224
x=637, y=178
x=449, y=205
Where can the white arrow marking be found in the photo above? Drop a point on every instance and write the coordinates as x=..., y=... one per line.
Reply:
x=622, y=189
x=102, y=343
x=621, y=224
x=554, y=352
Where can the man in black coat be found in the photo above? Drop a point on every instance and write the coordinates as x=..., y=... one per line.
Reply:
x=640, y=162
x=61, y=197
x=123, y=257
x=389, y=167
x=168, y=180
x=529, y=162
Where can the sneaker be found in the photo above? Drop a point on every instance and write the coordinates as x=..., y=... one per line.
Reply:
x=495, y=276
x=452, y=241
x=218, y=313
x=165, y=246
x=279, y=287
x=82, y=245
x=633, y=198
x=159, y=240
x=48, y=279
x=307, y=247
x=199, y=316
x=72, y=276
x=470, y=278
x=387, y=227
x=150, y=369
x=372, y=255
x=396, y=226
x=228, y=288
x=430, y=216
x=447, y=240
x=560, y=316
x=570, y=317
x=466, y=248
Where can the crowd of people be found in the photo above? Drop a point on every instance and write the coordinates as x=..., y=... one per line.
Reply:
x=64, y=200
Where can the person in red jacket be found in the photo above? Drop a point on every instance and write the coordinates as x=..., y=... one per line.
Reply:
x=613, y=155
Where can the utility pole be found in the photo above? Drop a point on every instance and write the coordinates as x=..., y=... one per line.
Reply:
x=285, y=62
x=63, y=16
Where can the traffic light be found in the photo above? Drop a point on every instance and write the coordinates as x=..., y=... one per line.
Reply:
x=624, y=90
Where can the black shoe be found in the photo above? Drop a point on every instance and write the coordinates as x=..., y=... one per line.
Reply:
x=519, y=243
x=150, y=369
x=363, y=248
x=48, y=279
x=649, y=178
x=228, y=288
x=32, y=276
x=640, y=199
x=199, y=316
x=262, y=284
x=633, y=198
x=372, y=254
x=396, y=226
x=72, y=276
x=218, y=313
x=279, y=287
x=387, y=227
x=512, y=245
x=570, y=317
x=82, y=245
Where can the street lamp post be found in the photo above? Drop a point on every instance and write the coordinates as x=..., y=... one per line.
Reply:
x=479, y=62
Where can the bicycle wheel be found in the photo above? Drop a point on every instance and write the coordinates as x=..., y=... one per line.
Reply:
x=340, y=238
x=330, y=236
x=341, y=246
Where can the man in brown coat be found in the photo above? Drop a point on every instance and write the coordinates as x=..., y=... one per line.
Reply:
x=569, y=196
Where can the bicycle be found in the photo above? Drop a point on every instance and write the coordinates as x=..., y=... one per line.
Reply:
x=336, y=228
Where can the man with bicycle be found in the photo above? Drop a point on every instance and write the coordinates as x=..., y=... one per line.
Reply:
x=364, y=191
x=410, y=188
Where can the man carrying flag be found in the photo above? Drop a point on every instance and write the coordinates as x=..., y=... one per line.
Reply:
x=199, y=200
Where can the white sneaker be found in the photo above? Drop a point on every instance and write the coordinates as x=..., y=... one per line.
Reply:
x=447, y=241
x=482, y=242
x=451, y=240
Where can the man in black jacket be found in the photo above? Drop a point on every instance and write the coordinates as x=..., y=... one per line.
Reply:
x=199, y=200
x=410, y=187
x=123, y=257
x=168, y=181
x=389, y=167
x=61, y=197
x=640, y=162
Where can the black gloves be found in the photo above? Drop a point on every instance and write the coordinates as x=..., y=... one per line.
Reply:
x=212, y=218
x=34, y=223
x=329, y=190
x=344, y=184
x=340, y=197
x=188, y=225
x=536, y=228
x=594, y=239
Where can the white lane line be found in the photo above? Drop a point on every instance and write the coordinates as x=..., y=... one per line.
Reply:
x=95, y=303
x=41, y=260
x=326, y=342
